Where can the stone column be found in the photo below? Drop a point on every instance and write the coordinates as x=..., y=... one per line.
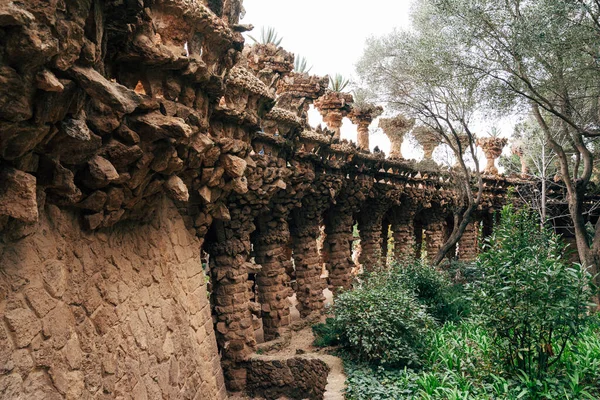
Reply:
x=339, y=224
x=492, y=148
x=370, y=222
x=403, y=230
x=309, y=293
x=395, y=129
x=385, y=227
x=518, y=151
x=362, y=115
x=434, y=234
x=334, y=106
x=468, y=247
x=229, y=275
x=428, y=139
x=273, y=282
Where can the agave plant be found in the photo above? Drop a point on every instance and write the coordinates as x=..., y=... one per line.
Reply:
x=494, y=132
x=338, y=83
x=268, y=36
x=301, y=64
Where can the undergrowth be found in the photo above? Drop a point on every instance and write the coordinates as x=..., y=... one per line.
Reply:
x=461, y=364
x=516, y=326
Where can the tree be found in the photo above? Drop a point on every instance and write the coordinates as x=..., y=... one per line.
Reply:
x=410, y=72
x=532, y=159
x=543, y=55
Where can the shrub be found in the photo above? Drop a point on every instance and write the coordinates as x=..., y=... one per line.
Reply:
x=444, y=300
x=532, y=301
x=327, y=334
x=382, y=323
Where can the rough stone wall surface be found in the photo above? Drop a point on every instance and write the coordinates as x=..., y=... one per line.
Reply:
x=295, y=378
x=434, y=236
x=118, y=313
x=468, y=247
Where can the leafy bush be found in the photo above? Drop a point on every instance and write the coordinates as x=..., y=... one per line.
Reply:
x=460, y=364
x=534, y=302
x=444, y=300
x=382, y=322
x=327, y=334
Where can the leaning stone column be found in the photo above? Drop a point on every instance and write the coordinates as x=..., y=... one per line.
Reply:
x=310, y=287
x=229, y=275
x=434, y=235
x=338, y=228
x=272, y=280
x=403, y=230
x=362, y=115
x=370, y=222
x=467, y=245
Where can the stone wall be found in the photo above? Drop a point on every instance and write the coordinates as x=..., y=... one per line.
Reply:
x=118, y=313
x=295, y=378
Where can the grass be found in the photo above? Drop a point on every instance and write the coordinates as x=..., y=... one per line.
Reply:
x=461, y=364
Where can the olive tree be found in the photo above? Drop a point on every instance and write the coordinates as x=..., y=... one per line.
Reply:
x=411, y=72
x=543, y=55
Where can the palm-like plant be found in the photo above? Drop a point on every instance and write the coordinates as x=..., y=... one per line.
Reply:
x=338, y=83
x=301, y=64
x=268, y=36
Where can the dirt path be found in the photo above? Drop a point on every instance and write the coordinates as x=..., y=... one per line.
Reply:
x=301, y=343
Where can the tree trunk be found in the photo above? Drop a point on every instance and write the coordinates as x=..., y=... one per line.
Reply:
x=460, y=224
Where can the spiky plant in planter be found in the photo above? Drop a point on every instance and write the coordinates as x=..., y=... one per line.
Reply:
x=338, y=83
x=492, y=148
x=362, y=114
x=301, y=65
x=268, y=36
x=335, y=104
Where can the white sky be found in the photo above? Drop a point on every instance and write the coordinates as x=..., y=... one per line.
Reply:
x=331, y=35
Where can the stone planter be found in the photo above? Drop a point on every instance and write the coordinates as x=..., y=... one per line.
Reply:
x=492, y=148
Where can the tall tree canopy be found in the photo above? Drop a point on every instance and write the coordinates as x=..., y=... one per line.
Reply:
x=413, y=73
x=542, y=56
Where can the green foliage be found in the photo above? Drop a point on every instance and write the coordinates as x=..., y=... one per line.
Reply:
x=301, y=64
x=382, y=322
x=338, y=83
x=268, y=36
x=532, y=301
x=434, y=289
x=327, y=334
x=460, y=364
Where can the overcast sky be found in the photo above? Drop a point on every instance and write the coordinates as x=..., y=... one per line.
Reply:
x=331, y=34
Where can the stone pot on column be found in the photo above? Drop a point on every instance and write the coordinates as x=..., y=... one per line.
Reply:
x=492, y=148
x=428, y=139
x=517, y=150
x=334, y=106
x=463, y=139
x=298, y=90
x=395, y=128
x=362, y=115
x=269, y=62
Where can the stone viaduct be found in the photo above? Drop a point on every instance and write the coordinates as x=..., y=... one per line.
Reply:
x=137, y=137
